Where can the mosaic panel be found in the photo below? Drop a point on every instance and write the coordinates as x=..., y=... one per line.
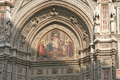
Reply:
x=55, y=45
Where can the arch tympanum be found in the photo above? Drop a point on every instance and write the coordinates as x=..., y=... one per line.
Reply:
x=48, y=19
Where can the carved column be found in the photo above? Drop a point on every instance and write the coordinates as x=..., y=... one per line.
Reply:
x=105, y=42
x=5, y=70
x=92, y=63
x=98, y=68
x=5, y=33
x=92, y=67
x=27, y=73
x=113, y=68
x=81, y=72
x=27, y=67
x=5, y=64
x=81, y=67
x=13, y=71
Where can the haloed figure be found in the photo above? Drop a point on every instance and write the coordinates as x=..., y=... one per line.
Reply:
x=55, y=42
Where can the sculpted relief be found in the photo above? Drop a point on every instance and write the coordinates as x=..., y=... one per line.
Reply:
x=55, y=45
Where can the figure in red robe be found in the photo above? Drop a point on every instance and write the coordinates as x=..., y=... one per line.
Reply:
x=41, y=49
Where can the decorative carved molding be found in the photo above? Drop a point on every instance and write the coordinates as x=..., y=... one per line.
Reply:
x=34, y=22
x=73, y=20
x=72, y=77
x=54, y=12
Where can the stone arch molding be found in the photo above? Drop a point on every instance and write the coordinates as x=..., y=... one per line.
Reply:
x=35, y=3
x=32, y=39
x=34, y=6
x=43, y=29
x=34, y=44
x=65, y=27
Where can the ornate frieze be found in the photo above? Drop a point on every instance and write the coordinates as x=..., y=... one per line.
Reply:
x=54, y=70
x=56, y=78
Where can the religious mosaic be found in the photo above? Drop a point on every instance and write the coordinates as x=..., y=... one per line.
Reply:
x=55, y=45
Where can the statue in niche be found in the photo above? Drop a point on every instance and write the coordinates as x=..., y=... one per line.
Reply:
x=97, y=20
x=35, y=22
x=54, y=12
x=112, y=19
x=8, y=30
x=8, y=25
x=73, y=20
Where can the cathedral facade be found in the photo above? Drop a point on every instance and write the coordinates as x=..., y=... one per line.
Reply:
x=60, y=40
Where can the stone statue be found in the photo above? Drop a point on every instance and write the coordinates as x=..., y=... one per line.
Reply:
x=8, y=30
x=112, y=20
x=8, y=25
x=97, y=20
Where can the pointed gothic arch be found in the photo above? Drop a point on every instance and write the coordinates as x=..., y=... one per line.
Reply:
x=35, y=20
x=28, y=12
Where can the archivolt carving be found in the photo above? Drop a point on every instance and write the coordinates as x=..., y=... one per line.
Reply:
x=35, y=22
x=36, y=2
x=54, y=12
x=35, y=28
x=73, y=20
x=49, y=15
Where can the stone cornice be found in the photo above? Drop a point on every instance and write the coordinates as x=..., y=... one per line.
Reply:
x=106, y=52
x=105, y=40
x=39, y=63
x=84, y=60
x=54, y=63
x=6, y=3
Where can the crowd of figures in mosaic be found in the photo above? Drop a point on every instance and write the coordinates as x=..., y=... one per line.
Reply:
x=55, y=45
